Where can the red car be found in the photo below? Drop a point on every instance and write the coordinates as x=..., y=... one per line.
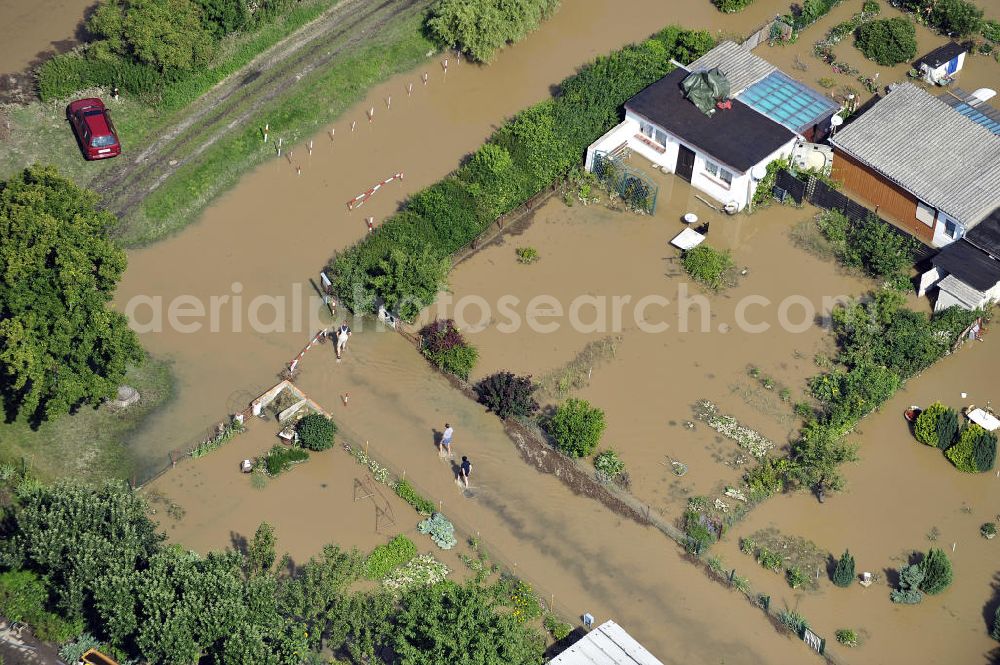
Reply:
x=92, y=125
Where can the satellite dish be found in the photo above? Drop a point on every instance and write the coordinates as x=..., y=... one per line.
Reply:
x=758, y=172
x=836, y=121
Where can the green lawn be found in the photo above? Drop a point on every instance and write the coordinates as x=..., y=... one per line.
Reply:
x=92, y=443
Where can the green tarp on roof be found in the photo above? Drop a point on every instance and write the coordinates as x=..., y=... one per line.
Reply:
x=705, y=88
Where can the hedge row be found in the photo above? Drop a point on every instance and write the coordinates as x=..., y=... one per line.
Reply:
x=399, y=264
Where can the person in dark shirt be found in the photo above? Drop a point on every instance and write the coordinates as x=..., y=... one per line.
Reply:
x=465, y=470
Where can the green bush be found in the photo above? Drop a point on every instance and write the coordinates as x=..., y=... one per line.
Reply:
x=936, y=568
x=559, y=630
x=700, y=535
x=481, y=27
x=770, y=560
x=843, y=574
x=960, y=18
x=795, y=577
x=847, y=636
x=386, y=558
x=991, y=30
x=444, y=345
x=947, y=429
x=791, y=619
x=731, y=6
x=870, y=245
x=281, y=458
x=708, y=265
x=767, y=478
x=508, y=395
x=925, y=429
x=975, y=451
x=988, y=529
x=995, y=633
x=576, y=427
x=22, y=596
x=62, y=75
x=811, y=11
x=888, y=41
x=910, y=579
x=526, y=255
x=316, y=432
x=404, y=490
x=609, y=465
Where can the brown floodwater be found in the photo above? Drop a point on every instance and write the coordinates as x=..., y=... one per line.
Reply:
x=271, y=233
x=32, y=29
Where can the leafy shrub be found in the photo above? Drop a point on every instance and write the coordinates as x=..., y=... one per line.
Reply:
x=811, y=11
x=481, y=27
x=958, y=17
x=748, y=546
x=708, y=265
x=975, y=451
x=508, y=395
x=910, y=579
x=847, y=636
x=72, y=651
x=937, y=571
x=609, y=465
x=988, y=530
x=991, y=30
x=576, y=427
x=826, y=82
x=926, y=426
x=385, y=558
x=440, y=529
x=406, y=492
x=770, y=560
x=843, y=574
x=526, y=254
x=767, y=478
x=792, y=620
x=62, y=75
x=22, y=596
x=700, y=535
x=444, y=345
x=522, y=599
x=281, y=458
x=731, y=6
x=316, y=432
x=888, y=41
x=995, y=633
x=559, y=630
x=870, y=245
x=795, y=577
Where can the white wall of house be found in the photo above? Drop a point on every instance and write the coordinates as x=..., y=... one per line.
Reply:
x=946, y=299
x=941, y=230
x=710, y=175
x=929, y=279
x=938, y=73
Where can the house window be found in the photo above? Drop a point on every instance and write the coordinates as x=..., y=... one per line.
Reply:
x=717, y=171
x=651, y=132
x=951, y=229
x=926, y=213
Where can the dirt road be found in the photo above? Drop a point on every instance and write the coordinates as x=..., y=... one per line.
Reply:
x=241, y=96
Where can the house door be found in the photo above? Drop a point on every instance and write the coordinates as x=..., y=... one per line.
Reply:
x=685, y=163
x=953, y=65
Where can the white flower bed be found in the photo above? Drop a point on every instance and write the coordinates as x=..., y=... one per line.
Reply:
x=423, y=570
x=753, y=441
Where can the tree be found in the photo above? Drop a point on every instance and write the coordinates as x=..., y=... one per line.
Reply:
x=576, y=427
x=481, y=27
x=936, y=568
x=223, y=17
x=165, y=34
x=508, y=395
x=995, y=633
x=959, y=18
x=947, y=429
x=816, y=458
x=407, y=282
x=60, y=344
x=449, y=623
x=316, y=431
x=443, y=344
x=887, y=41
x=259, y=558
x=843, y=574
x=975, y=451
x=925, y=429
x=910, y=579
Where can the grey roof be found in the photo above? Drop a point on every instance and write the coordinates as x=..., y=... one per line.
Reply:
x=926, y=147
x=986, y=234
x=964, y=293
x=739, y=64
x=970, y=264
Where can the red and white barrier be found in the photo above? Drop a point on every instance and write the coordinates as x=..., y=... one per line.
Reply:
x=360, y=199
x=315, y=340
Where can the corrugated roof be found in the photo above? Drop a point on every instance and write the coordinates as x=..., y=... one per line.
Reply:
x=964, y=293
x=739, y=64
x=608, y=644
x=929, y=149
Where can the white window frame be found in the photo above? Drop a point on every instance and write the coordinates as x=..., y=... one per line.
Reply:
x=926, y=213
x=653, y=133
x=716, y=172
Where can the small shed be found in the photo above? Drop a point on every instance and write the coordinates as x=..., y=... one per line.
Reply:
x=608, y=644
x=940, y=65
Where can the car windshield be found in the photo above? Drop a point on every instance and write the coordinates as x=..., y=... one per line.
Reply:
x=103, y=141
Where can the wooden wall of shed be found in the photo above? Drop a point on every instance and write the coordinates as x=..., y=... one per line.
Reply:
x=894, y=203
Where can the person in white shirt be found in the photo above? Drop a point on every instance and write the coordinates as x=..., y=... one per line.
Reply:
x=343, y=334
x=445, y=445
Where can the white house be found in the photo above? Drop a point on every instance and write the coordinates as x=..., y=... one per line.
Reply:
x=723, y=154
x=940, y=65
x=966, y=273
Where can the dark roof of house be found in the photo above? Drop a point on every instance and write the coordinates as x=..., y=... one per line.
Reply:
x=986, y=234
x=969, y=264
x=738, y=137
x=941, y=55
